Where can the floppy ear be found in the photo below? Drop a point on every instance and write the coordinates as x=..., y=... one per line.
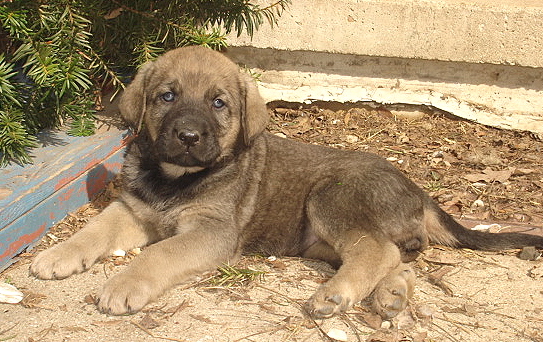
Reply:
x=133, y=99
x=254, y=115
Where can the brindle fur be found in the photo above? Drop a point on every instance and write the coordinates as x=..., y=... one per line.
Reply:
x=200, y=199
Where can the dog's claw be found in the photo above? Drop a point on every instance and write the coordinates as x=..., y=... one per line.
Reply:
x=327, y=303
x=392, y=294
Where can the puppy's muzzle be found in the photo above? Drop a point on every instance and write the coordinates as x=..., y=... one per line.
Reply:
x=187, y=141
x=188, y=133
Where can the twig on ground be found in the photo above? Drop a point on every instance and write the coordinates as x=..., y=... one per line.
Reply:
x=155, y=336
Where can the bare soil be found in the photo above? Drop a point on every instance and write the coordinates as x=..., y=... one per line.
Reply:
x=480, y=175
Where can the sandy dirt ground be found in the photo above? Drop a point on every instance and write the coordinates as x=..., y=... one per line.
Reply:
x=479, y=174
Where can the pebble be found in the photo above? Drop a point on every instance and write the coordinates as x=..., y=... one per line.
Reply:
x=10, y=294
x=530, y=253
x=337, y=334
x=52, y=237
x=119, y=253
x=424, y=311
x=351, y=139
x=478, y=204
x=386, y=325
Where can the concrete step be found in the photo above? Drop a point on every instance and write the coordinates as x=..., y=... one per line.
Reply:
x=476, y=59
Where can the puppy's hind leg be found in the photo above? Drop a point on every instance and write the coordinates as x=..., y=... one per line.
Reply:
x=366, y=261
x=335, y=215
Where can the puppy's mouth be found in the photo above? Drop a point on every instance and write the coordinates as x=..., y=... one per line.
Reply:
x=187, y=158
x=176, y=171
x=202, y=155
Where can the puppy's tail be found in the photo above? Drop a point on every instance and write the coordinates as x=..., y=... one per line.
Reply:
x=443, y=229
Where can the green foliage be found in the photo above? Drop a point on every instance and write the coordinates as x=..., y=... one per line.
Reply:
x=230, y=276
x=58, y=55
x=15, y=140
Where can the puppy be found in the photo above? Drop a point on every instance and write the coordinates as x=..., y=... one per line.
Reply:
x=203, y=183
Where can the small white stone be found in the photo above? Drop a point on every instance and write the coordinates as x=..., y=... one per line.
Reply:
x=386, y=325
x=337, y=334
x=281, y=135
x=351, y=139
x=10, y=294
x=119, y=253
x=52, y=237
x=478, y=203
x=272, y=258
x=136, y=251
x=494, y=226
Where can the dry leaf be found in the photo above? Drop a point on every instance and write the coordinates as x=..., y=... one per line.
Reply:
x=107, y=323
x=175, y=309
x=75, y=329
x=490, y=175
x=278, y=264
x=89, y=299
x=148, y=322
x=374, y=321
x=32, y=299
x=470, y=310
x=347, y=118
x=201, y=318
x=404, y=320
x=436, y=278
x=386, y=336
x=437, y=256
x=522, y=172
x=536, y=272
x=420, y=337
x=425, y=314
x=114, y=13
x=466, y=309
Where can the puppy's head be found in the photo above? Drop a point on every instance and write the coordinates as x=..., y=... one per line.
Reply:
x=195, y=106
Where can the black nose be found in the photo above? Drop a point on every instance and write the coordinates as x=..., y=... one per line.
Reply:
x=188, y=138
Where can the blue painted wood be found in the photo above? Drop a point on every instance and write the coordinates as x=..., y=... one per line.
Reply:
x=67, y=172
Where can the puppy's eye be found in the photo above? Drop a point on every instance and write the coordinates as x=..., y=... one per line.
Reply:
x=218, y=103
x=168, y=96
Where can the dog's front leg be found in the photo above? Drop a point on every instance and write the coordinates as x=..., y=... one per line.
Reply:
x=165, y=264
x=114, y=228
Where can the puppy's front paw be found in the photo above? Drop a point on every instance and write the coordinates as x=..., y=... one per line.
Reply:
x=329, y=300
x=125, y=294
x=62, y=260
x=392, y=294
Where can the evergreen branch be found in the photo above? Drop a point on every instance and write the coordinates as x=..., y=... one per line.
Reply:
x=57, y=53
x=150, y=16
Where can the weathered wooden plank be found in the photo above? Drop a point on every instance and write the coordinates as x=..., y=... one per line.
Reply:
x=66, y=173
x=61, y=159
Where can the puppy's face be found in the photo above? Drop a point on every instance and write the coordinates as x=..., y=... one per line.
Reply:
x=195, y=106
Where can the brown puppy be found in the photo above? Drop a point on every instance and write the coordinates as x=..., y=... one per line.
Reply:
x=204, y=183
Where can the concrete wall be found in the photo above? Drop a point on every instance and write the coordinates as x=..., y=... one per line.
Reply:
x=477, y=59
